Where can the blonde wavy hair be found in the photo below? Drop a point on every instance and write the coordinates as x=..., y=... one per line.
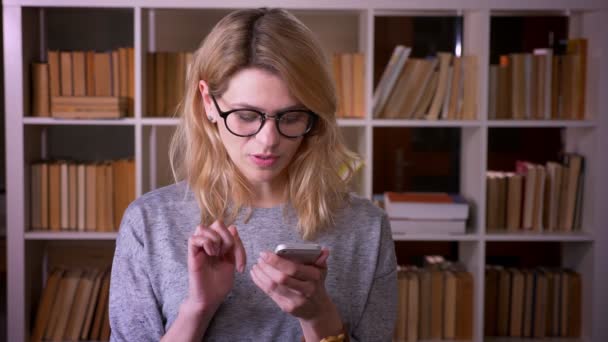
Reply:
x=318, y=175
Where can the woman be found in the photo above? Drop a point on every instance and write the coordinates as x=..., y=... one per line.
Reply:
x=257, y=159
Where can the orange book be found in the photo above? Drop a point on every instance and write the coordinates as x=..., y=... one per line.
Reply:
x=40, y=90
x=55, y=197
x=79, y=72
x=66, y=73
x=54, y=73
x=45, y=306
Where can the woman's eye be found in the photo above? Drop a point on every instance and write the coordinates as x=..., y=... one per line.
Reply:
x=247, y=116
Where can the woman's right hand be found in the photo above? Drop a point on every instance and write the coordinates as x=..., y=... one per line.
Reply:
x=214, y=254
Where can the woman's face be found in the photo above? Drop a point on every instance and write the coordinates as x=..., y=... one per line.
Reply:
x=263, y=157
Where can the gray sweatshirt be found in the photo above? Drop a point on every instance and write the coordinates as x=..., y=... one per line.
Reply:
x=150, y=280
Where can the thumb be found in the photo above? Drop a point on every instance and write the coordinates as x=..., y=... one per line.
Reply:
x=322, y=259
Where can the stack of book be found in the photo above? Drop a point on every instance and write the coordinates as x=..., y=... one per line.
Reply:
x=434, y=302
x=541, y=85
x=349, y=74
x=538, y=198
x=441, y=87
x=426, y=213
x=74, y=306
x=83, y=197
x=166, y=74
x=84, y=84
x=535, y=303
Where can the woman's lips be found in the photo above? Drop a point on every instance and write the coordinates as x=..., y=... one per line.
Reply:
x=264, y=160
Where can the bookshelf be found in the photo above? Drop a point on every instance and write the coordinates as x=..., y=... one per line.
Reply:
x=342, y=26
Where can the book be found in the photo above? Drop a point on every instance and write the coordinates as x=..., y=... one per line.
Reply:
x=445, y=59
x=436, y=206
x=47, y=299
x=40, y=90
x=389, y=77
x=423, y=226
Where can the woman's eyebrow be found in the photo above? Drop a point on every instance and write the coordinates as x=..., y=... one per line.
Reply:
x=249, y=106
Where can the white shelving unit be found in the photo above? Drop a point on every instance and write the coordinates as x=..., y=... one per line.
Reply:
x=342, y=25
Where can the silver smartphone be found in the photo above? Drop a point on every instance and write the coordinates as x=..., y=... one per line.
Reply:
x=304, y=253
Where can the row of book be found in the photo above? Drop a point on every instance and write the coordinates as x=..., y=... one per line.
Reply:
x=349, y=74
x=541, y=85
x=536, y=197
x=535, y=303
x=166, y=74
x=434, y=302
x=83, y=197
x=91, y=78
x=440, y=87
x=74, y=306
x=426, y=213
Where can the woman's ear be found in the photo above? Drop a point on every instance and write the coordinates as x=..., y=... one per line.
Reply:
x=203, y=88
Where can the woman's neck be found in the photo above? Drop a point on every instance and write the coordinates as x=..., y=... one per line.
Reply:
x=268, y=195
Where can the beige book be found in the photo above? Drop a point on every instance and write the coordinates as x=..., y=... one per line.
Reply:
x=492, y=200
x=54, y=73
x=40, y=90
x=575, y=304
x=78, y=310
x=43, y=315
x=103, y=74
x=100, y=307
x=79, y=72
x=91, y=197
x=82, y=198
x=65, y=58
x=514, y=201
x=501, y=221
x=574, y=163
x=505, y=90
x=535, y=92
x=455, y=99
x=358, y=95
x=449, y=306
x=161, y=82
x=564, y=301
x=493, y=92
x=171, y=101
x=578, y=48
x=504, y=302
x=336, y=64
x=73, y=196
x=413, y=311
x=464, y=306
x=395, y=100
x=90, y=73
x=54, y=197
x=131, y=79
x=427, y=97
x=539, y=196
x=180, y=74
x=123, y=67
x=101, y=211
x=71, y=280
x=35, y=196
x=436, y=304
x=389, y=77
x=553, y=189
x=540, y=305
x=518, y=85
x=445, y=59
x=400, y=333
x=91, y=305
x=517, y=303
x=491, y=300
x=65, y=196
x=470, y=88
x=421, y=76
x=44, y=195
x=115, y=73
x=530, y=180
x=346, y=60
x=109, y=198
x=424, y=329
x=528, y=303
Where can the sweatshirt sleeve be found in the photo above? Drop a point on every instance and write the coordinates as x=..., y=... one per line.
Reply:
x=377, y=322
x=134, y=310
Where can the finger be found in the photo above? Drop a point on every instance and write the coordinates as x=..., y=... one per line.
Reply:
x=198, y=230
x=239, y=250
x=302, y=288
x=272, y=289
x=293, y=269
x=322, y=259
x=209, y=243
x=227, y=239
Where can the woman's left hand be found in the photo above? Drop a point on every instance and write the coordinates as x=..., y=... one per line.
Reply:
x=299, y=290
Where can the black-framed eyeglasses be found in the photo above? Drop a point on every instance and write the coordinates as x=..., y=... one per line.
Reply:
x=246, y=122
